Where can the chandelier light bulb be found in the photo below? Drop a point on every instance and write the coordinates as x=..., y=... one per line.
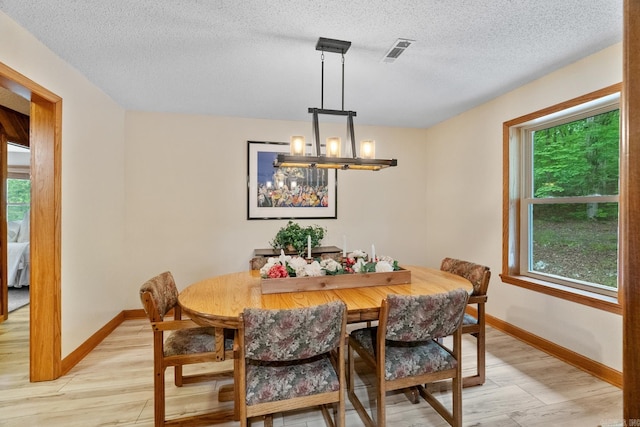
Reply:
x=296, y=146
x=368, y=149
x=333, y=146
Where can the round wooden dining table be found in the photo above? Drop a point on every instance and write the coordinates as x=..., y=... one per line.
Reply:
x=218, y=301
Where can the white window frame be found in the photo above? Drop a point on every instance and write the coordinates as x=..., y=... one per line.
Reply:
x=21, y=177
x=525, y=133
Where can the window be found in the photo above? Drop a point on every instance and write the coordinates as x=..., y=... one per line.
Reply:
x=561, y=198
x=18, y=198
x=18, y=181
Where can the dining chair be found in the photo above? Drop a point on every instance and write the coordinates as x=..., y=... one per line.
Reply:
x=405, y=353
x=186, y=343
x=479, y=276
x=292, y=359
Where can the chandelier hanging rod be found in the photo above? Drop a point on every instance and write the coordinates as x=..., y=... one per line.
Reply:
x=331, y=45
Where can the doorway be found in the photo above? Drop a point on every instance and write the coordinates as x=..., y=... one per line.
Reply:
x=14, y=118
x=45, y=112
x=18, y=204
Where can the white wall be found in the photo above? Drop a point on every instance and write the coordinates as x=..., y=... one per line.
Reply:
x=93, y=289
x=186, y=196
x=464, y=179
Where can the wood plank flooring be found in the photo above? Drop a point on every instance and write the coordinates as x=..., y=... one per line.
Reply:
x=113, y=386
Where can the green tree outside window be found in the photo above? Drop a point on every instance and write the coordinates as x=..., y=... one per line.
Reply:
x=18, y=198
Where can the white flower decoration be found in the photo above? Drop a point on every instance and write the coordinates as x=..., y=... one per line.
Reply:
x=313, y=269
x=331, y=265
x=358, y=265
x=358, y=254
x=299, y=264
x=386, y=258
x=383, y=266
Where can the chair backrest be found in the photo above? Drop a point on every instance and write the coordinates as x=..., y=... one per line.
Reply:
x=159, y=295
x=477, y=274
x=423, y=317
x=300, y=333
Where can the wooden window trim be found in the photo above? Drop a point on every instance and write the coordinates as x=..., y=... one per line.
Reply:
x=511, y=218
x=591, y=299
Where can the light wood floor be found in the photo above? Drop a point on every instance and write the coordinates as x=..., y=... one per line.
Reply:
x=113, y=386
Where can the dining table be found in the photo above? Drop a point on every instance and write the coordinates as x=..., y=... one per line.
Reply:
x=218, y=301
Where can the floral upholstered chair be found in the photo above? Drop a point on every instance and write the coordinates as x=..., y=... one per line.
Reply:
x=479, y=276
x=186, y=343
x=404, y=351
x=290, y=359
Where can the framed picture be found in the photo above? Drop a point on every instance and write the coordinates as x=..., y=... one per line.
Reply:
x=287, y=193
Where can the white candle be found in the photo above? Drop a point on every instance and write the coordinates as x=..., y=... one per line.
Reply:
x=373, y=253
x=308, y=246
x=344, y=246
x=282, y=256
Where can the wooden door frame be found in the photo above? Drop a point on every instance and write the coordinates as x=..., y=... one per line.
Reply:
x=46, y=188
x=630, y=212
x=4, y=292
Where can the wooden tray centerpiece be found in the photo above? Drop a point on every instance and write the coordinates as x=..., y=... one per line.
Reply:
x=345, y=276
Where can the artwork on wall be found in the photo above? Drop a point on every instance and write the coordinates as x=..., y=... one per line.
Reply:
x=287, y=193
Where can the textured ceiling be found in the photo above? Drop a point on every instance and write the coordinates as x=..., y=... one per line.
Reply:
x=257, y=58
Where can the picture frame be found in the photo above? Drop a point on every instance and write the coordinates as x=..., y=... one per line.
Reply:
x=287, y=193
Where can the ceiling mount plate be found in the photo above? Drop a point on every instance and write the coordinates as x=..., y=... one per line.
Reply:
x=332, y=45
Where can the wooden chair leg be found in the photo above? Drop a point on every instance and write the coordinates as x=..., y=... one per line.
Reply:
x=381, y=419
x=330, y=420
x=480, y=375
x=158, y=396
x=158, y=380
x=412, y=394
x=457, y=402
x=177, y=374
x=481, y=355
x=350, y=370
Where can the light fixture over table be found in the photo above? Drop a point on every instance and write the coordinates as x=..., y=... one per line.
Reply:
x=332, y=158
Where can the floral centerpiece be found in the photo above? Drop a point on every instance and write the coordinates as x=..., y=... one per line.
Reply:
x=356, y=262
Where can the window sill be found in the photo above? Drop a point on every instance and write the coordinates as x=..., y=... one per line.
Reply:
x=579, y=296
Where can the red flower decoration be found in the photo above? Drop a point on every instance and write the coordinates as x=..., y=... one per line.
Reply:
x=349, y=261
x=278, y=270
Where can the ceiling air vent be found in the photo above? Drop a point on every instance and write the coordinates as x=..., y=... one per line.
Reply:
x=396, y=50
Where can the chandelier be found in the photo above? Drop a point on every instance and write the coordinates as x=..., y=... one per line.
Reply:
x=332, y=156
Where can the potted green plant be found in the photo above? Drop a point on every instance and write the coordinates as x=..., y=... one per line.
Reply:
x=293, y=237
